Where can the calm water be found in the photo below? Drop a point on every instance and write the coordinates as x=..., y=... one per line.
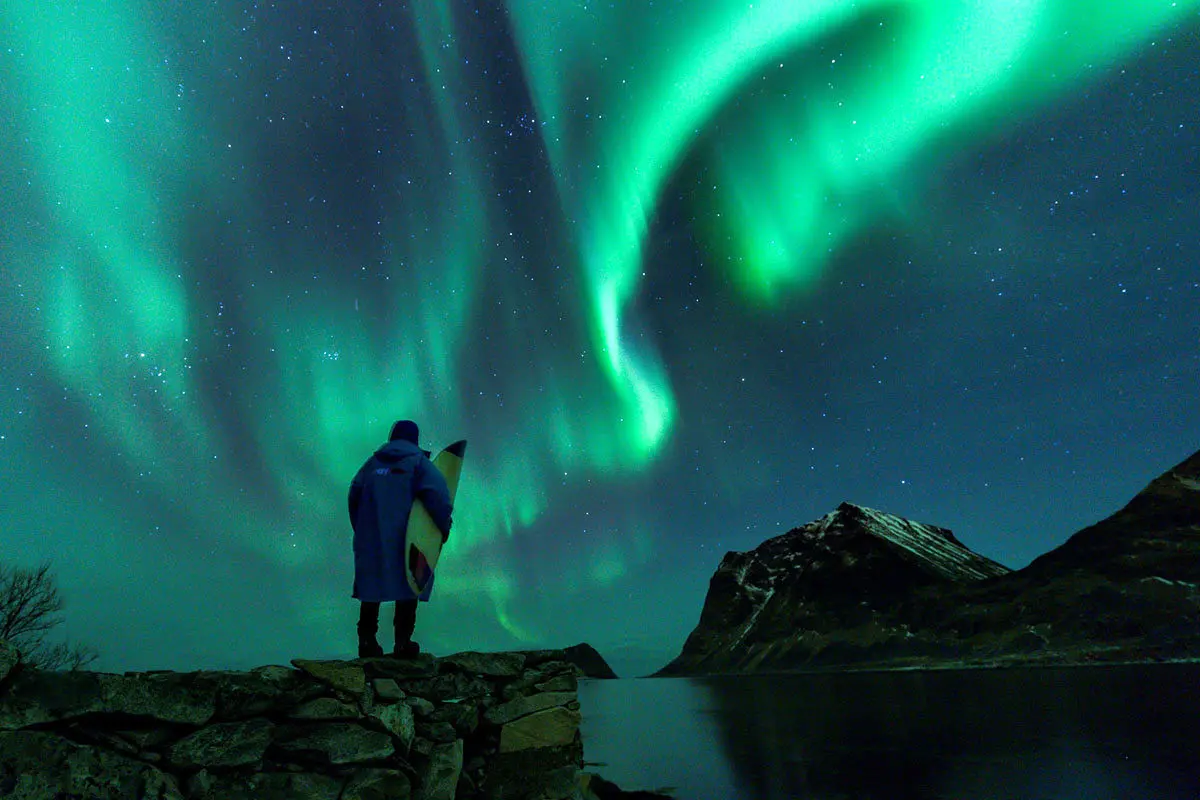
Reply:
x=1093, y=732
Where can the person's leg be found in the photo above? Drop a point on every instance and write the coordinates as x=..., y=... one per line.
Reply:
x=405, y=623
x=368, y=626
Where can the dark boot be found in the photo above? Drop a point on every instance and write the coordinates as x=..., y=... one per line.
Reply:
x=405, y=623
x=368, y=627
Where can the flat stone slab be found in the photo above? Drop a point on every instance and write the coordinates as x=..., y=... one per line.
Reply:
x=348, y=676
x=337, y=743
x=325, y=708
x=496, y=665
x=563, y=682
x=552, y=727
x=423, y=666
x=521, y=706
x=225, y=744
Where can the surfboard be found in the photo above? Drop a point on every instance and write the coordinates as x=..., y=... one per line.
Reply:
x=424, y=539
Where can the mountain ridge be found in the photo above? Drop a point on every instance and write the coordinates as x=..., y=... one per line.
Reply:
x=861, y=588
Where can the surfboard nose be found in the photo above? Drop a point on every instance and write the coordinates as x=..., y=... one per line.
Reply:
x=459, y=448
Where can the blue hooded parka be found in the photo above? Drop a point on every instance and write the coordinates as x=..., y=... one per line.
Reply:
x=381, y=497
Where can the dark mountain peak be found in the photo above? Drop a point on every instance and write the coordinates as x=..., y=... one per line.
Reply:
x=840, y=570
x=588, y=659
x=1171, y=500
x=849, y=528
x=1158, y=524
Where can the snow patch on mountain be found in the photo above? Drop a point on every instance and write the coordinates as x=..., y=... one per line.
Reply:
x=931, y=546
x=1188, y=483
x=761, y=596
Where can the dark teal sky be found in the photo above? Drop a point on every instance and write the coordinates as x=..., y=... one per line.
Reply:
x=685, y=275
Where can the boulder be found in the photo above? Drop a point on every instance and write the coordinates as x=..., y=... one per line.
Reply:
x=377, y=784
x=398, y=720
x=345, y=676
x=552, y=727
x=557, y=673
x=387, y=690
x=401, y=669
x=560, y=784
x=35, y=765
x=521, y=706
x=419, y=705
x=463, y=716
x=565, y=682
x=263, y=786
x=147, y=736
x=225, y=744
x=535, y=658
x=335, y=743
x=168, y=696
x=497, y=665
x=440, y=779
x=523, y=773
x=262, y=691
x=324, y=708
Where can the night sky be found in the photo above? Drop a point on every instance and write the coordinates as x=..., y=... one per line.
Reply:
x=686, y=274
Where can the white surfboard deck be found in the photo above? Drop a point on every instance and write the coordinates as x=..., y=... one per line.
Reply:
x=422, y=534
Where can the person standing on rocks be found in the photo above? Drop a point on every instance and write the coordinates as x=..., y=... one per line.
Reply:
x=381, y=497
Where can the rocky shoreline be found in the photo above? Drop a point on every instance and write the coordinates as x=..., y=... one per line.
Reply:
x=1011, y=663
x=468, y=726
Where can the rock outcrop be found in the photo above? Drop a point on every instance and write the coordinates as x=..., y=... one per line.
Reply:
x=593, y=665
x=859, y=588
x=470, y=725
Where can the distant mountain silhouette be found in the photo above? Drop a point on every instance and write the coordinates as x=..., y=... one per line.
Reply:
x=861, y=588
x=584, y=656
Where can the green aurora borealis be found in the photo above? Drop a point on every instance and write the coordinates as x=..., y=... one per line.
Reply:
x=239, y=241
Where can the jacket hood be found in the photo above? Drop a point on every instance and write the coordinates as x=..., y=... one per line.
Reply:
x=399, y=449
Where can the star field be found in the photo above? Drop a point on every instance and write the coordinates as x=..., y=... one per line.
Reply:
x=684, y=275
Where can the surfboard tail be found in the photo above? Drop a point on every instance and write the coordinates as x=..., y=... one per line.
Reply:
x=418, y=569
x=422, y=535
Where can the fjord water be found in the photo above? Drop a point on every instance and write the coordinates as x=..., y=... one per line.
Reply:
x=1130, y=732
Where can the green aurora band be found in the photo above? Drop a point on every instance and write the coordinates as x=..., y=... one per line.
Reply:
x=806, y=117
